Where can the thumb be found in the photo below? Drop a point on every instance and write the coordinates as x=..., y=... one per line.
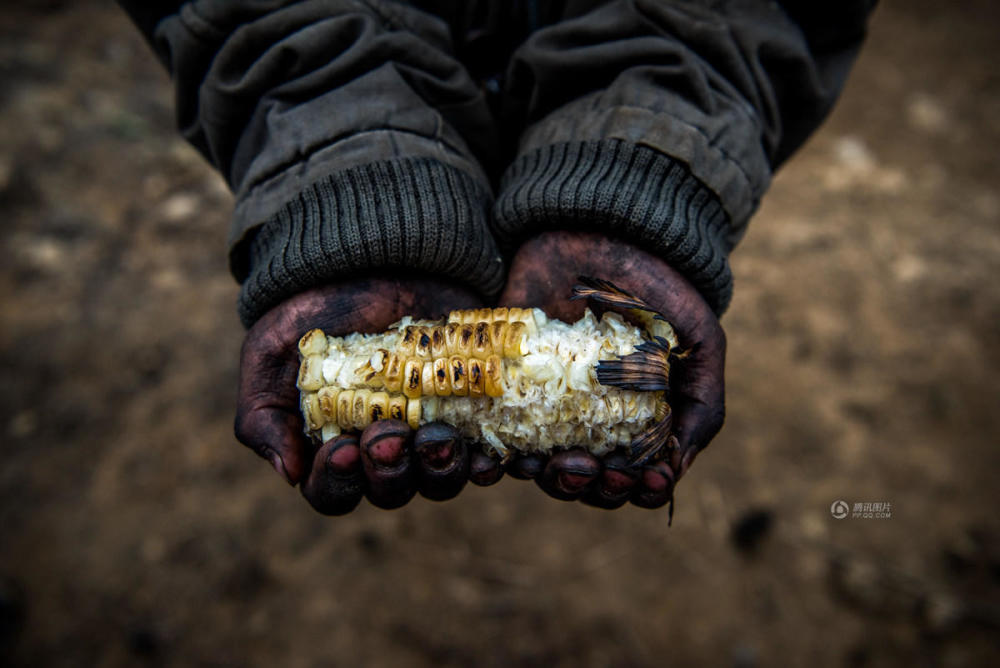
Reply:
x=275, y=434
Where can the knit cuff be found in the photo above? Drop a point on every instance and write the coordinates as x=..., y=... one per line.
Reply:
x=414, y=213
x=625, y=190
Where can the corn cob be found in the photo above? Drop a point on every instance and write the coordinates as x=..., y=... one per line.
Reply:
x=509, y=378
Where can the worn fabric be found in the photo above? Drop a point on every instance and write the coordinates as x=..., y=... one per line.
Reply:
x=438, y=135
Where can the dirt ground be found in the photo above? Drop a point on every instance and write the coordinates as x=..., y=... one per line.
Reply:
x=864, y=355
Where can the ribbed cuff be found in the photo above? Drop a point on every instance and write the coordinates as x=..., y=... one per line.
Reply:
x=628, y=191
x=415, y=213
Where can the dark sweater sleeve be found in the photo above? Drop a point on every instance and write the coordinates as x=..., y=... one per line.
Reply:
x=662, y=121
x=349, y=134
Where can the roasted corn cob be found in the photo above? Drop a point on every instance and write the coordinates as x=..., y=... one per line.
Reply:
x=509, y=378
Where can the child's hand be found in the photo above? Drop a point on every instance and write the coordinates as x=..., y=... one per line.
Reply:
x=542, y=274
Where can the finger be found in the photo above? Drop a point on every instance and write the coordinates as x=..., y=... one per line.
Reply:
x=442, y=461
x=484, y=470
x=694, y=428
x=385, y=456
x=526, y=467
x=698, y=398
x=569, y=473
x=655, y=486
x=276, y=435
x=614, y=484
x=268, y=420
x=336, y=482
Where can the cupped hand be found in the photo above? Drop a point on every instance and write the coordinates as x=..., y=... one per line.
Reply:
x=542, y=274
x=388, y=462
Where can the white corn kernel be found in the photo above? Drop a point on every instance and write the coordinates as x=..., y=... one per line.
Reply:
x=329, y=431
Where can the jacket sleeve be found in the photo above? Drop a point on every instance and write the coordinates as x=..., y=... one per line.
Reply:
x=661, y=121
x=349, y=134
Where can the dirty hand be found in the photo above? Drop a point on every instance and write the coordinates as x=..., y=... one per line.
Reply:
x=542, y=274
x=387, y=462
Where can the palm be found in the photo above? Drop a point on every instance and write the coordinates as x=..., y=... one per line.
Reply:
x=543, y=273
x=381, y=464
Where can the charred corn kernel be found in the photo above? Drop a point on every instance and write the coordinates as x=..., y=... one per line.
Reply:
x=311, y=373
x=359, y=408
x=442, y=385
x=327, y=397
x=408, y=341
x=466, y=336
x=477, y=380
x=498, y=330
x=481, y=344
x=345, y=409
x=459, y=378
x=311, y=411
x=439, y=346
x=378, y=406
x=413, y=413
x=392, y=377
x=397, y=407
x=493, y=376
x=513, y=340
x=507, y=377
x=412, y=371
x=422, y=347
x=429, y=369
x=313, y=343
x=373, y=368
x=451, y=331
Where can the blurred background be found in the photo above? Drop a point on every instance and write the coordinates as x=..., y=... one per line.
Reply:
x=864, y=356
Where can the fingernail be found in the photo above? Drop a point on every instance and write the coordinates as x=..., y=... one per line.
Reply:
x=387, y=451
x=279, y=466
x=574, y=481
x=657, y=480
x=527, y=467
x=344, y=457
x=436, y=443
x=483, y=469
x=688, y=460
x=384, y=443
x=436, y=454
x=617, y=482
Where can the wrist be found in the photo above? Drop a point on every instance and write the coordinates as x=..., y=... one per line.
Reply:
x=547, y=265
x=627, y=191
x=414, y=214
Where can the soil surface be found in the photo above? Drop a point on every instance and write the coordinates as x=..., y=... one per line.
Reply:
x=864, y=357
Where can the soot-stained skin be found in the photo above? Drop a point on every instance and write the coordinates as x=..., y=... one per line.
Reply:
x=543, y=273
x=388, y=462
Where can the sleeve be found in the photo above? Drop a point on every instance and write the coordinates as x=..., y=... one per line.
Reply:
x=349, y=134
x=662, y=121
